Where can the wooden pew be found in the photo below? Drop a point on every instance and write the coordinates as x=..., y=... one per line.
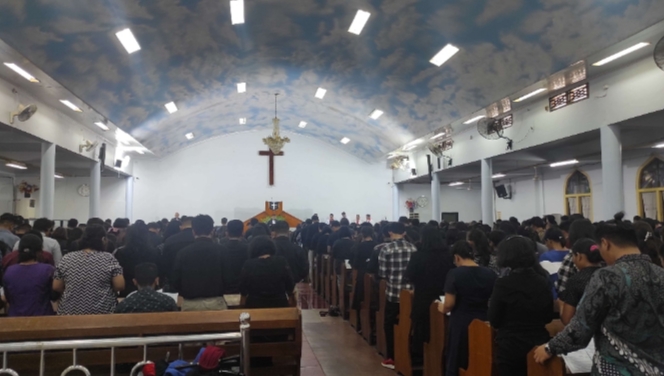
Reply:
x=367, y=316
x=314, y=274
x=353, y=314
x=326, y=279
x=556, y=365
x=284, y=324
x=334, y=277
x=403, y=362
x=345, y=290
x=481, y=345
x=381, y=343
x=434, y=350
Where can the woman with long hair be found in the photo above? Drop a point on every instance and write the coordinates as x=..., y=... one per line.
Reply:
x=266, y=279
x=478, y=240
x=138, y=250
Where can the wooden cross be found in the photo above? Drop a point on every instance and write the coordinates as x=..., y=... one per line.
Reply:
x=270, y=154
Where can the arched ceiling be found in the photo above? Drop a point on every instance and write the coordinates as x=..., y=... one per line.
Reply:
x=192, y=55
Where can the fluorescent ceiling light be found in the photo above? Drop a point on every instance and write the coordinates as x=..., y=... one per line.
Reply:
x=171, y=107
x=445, y=54
x=20, y=71
x=361, y=18
x=243, y=120
x=498, y=176
x=411, y=147
x=16, y=165
x=189, y=136
x=303, y=124
x=140, y=151
x=72, y=106
x=659, y=146
x=564, y=163
x=621, y=54
x=128, y=41
x=58, y=176
x=241, y=87
x=530, y=95
x=101, y=125
x=415, y=142
x=237, y=12
x=345, y=140
x=438, y=136
x=320, y=93
x=476, y=118
x=375, y=114
x=457, y=183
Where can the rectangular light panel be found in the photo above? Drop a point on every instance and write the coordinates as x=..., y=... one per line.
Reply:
x=476, y=118
x=456, y=184
x=58, y=176
x=128, y=40
x=72, y=106
x=659, y=146
x=243, y=120
x=534, y=93
x=101, y=125
x=621, y=54
x=376, y=114
x=345, y=140
x=320, y=93
x=564, y=163
x=22, y=72
x=361, y=18
x=16, y=165
x=242, y=87
x=189, y=136
x=171, y=107
x=498, y=176
x=237, y=12
x=445, y=54
x=303, y=124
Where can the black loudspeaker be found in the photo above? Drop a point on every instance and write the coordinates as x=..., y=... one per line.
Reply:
x=413, y=172
x=118, y=163
x=102, y=156
x=501, y=191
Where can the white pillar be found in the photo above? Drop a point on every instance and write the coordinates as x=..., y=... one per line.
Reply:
x=435, y=197
x=539, y=193
x=129, y=199
x=613, y=200
x=395, y=202
x=95, y=189
x=47, y=180
x=487, y=192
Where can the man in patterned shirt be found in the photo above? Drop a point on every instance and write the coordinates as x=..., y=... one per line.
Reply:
x=392, y=263
x=146, y=299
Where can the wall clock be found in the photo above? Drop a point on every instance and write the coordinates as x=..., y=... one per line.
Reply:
x=422, y=201
x=84, y=190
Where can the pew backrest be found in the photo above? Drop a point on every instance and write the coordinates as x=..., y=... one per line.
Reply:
x=435, y=348
x=403, y=363
x=480, y=344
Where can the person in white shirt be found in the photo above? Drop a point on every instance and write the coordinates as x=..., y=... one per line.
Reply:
x=45, y=226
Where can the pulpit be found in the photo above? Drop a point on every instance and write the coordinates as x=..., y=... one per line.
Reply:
x=274, y=211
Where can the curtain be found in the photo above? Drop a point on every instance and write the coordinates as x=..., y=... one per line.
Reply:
x=585, y=206
x=649, y=200
x=572, y=204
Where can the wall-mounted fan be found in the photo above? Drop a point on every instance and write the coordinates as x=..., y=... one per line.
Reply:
x=437, y=148
x=23, y=113
x=87, y=146
x=492, y=129
x=659, y=54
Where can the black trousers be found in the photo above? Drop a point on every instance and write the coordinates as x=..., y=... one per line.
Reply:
x=391, y=319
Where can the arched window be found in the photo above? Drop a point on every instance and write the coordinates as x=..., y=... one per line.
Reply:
x=578, y=195
x=650, y=189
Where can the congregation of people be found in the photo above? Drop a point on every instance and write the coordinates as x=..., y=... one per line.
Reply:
x=604, y=281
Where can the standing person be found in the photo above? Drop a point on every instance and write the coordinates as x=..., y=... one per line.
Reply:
x=552, y=259
x=146, y=298
x=623, y=309
x=467, y=292
x=27, y=285
x=234, y=253
x=45, y=226
x=220, y=232
x=266, y=279
x=138, y=250
x=154, y=235
x=392, y=263
x=588, y=260
x=578, y=229
x=343, y=248
x=294, y=255
x=89, y=279
x=198, y=270
x=7, y=221
x=521, y=305
x=172, y=246
x=361, y=255
x=60, y=234
x=13, y=257
x=480, y=243
x=427, y=271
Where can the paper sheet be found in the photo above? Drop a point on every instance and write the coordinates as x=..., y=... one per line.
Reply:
x=347, y=262
x=581, y=361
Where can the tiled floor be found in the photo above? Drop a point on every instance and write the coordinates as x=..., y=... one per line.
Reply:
x=330, y=346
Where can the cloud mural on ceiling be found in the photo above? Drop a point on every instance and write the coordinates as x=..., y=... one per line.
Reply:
x=192, y=55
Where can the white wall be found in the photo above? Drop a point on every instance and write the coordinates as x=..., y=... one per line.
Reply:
x=225, y=177
x=463, y=201
x=6, y=194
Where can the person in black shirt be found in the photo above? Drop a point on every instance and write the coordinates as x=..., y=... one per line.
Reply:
x=334, y=236
x=137, y=251
x=234, y=253
x=266, y=279
x=322, y=239
x=343, y=248
x=153, y=235
x=294, y=255
x=146, y=299
x=198, y=270
x=361, y=254
x=172, y=247
x=588, y=260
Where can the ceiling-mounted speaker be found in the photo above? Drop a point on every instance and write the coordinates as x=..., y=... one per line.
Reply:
x=502, y=192
x=118, y=163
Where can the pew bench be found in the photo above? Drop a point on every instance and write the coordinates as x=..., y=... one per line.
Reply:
x=283, y=328
x=381, y=342
x=434, y=350
x=481, y=354
x=555, y=366
x=403, y=362
x=353, y=314
x=367, y=315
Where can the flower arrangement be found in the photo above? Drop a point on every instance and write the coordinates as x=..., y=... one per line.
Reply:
x=411, y=205
x=27, y=189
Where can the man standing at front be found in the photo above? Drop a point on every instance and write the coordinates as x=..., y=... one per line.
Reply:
x=392, y=263
x=197, y=272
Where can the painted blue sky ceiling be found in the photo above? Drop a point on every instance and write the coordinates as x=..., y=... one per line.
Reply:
x=191, y=54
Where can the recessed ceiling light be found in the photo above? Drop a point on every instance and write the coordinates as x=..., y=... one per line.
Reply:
x=659, y=146
x=101, y=125
x=171, y=107
x=128, y=40
x=534, y=93
x=72, y=106
x=237, y=12
x=345, y=140
x=375, y=114
x=564, y=163
x=498, y=176
x=243, y=120
x=445, y=54
x=22, y=72
x=456, y=183
x=621, y=54
x=320, y=93
x=17, y=165
x=476, y=118
x=58, y=176
x=241, y=87
x=361, y=18
x=189, y=136
x=303, y=124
